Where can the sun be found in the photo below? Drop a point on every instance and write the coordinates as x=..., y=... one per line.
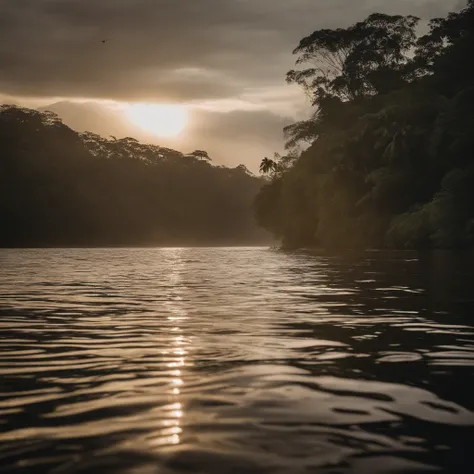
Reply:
x=162, y=120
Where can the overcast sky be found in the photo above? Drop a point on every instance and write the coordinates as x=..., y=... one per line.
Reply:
x=225, y=59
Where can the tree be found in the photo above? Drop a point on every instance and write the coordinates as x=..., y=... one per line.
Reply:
x=447, y=46
x=389, y=149
x=365, y=59
x=63, y=188
x=201, y=155
x=267, y=166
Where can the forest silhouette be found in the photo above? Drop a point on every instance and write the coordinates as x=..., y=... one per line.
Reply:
x=386, y=160
x=59, y=187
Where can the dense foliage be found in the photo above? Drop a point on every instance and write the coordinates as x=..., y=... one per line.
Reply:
x=388, y=155
x=60, y=187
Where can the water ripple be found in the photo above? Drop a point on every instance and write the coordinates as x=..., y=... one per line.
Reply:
x=233, y=360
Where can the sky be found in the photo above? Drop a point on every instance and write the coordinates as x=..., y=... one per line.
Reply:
x=223, y=61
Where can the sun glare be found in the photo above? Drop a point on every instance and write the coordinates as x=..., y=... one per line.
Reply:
x=161, y=120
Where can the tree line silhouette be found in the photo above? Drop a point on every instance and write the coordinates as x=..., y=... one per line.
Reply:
x=59, y=187
x=386, y=159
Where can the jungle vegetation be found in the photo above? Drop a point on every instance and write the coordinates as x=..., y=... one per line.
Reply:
x=387, y=157
x=59, y=187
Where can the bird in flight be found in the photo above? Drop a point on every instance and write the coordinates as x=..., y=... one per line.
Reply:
x=104, y=41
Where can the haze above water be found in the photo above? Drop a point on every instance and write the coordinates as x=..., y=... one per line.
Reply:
x=234, y=360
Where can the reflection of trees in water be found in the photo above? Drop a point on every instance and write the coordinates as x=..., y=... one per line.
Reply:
x=374, y=281
x=393, y=312
x=386, y=313
x=354, y=336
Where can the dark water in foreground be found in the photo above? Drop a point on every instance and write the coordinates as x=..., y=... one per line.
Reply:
x=235, y=361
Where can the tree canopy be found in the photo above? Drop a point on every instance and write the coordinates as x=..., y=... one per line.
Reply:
x=63, y=188
x=389, y=148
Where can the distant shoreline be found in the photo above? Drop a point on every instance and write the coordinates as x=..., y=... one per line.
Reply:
x=151, y=246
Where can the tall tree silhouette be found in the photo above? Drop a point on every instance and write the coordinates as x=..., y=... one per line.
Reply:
x=388, y=158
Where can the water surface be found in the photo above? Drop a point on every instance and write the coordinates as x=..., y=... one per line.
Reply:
x=241, y=360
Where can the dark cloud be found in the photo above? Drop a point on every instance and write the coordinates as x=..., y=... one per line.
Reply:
x=54, y=48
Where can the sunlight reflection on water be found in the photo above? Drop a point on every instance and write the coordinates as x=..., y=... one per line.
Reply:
x=234, y=360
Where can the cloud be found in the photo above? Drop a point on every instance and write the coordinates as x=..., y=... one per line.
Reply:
x=236, y=137
x=227, y=59
x=157, y=50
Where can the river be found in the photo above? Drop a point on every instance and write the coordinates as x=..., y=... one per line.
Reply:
x=235, y=360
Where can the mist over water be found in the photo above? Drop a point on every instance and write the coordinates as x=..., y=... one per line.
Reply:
x=235, y=360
